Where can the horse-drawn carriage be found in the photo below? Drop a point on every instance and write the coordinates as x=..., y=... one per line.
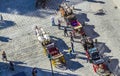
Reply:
x=50, y=49
x=71, y=19
x=98, y=61
x=56, y=56
x=75, y=25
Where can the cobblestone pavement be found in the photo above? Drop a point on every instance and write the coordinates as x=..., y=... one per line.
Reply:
x=18, y=39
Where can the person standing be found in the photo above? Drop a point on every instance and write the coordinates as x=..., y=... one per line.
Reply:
x=72, y=47
x=4, y=57
x=11, y=66
x=71, y=37
x=53, y=21
x=65, y=31
x=59, y=24
x=34, y=72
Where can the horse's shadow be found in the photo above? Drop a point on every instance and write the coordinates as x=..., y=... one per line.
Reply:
x=102, y=48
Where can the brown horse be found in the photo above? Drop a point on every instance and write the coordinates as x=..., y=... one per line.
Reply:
x=62, y=11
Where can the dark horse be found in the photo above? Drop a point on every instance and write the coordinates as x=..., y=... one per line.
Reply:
x=40, y=3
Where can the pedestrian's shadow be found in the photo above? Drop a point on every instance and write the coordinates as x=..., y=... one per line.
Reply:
x=4, y=39
x=100, y=12
x=96, y=1
x=89, y=30
x=18, y=62
x=102, y=48
x=59, y=43
x=78, y=52
x=78, y=9
x=6, y=24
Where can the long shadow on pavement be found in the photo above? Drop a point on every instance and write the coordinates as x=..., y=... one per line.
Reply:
x=96, y=1
x=4, y=70
x=5, y=39
x=6, y=24
x=71, y=64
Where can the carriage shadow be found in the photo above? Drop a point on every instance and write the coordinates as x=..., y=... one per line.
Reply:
x=5, y=39
x=71, y=64
x=114, y=66
x=6, y=24
x=96, y=1
x=89, y=30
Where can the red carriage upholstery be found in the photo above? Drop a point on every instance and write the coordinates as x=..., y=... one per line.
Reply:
x=53, y=51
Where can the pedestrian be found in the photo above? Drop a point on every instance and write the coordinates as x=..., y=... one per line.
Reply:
x=72, y=47
x=36, y=30
x=65, y=31
x=85, y=46
x=1, y=17
x=53, y=21
x=59, y=24
x=71, y=37
x=4, y=57
x=34, y=72
x=11, y=66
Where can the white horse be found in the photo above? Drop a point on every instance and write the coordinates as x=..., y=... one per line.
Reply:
x=45, y=35
x=41, y=34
